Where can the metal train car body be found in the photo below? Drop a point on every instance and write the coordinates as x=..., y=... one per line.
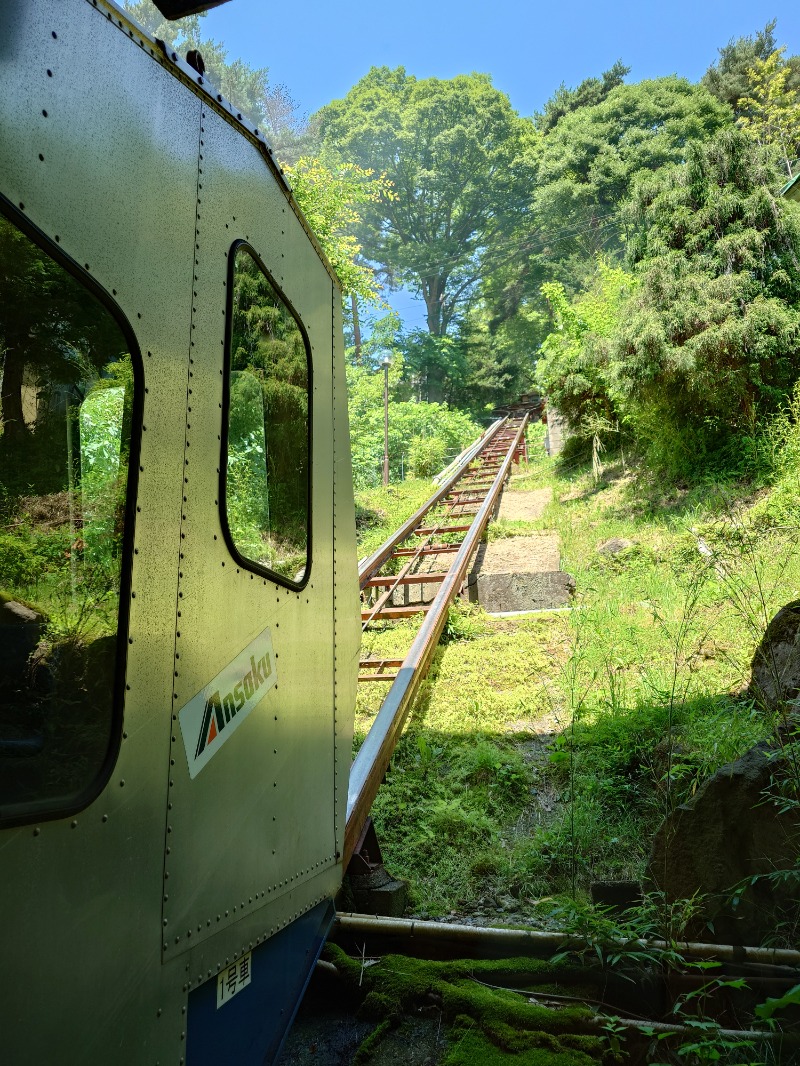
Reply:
x=175, y=747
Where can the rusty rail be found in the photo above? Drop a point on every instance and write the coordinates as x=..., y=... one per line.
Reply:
x=368, y=566
x=372, y=760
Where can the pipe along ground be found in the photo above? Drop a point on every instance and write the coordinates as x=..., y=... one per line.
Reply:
x=443, y=940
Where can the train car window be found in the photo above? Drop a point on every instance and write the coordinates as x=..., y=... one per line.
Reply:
x=65, y=431
x=267, y=447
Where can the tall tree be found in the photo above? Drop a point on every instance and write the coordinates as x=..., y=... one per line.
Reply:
x=709, y=341
x=453, y=152
x=770, y=112
x=728, y=79
x=589, y=160
x=590, y=91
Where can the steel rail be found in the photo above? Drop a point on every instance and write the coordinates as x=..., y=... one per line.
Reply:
x=372, y=760
x=379, y=607
x=368, y=566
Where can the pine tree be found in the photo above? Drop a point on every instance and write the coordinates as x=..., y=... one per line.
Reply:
x=709, y=341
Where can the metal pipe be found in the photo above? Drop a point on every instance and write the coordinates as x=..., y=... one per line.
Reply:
x=512, y=942
x=372, y=760
x=368, y=566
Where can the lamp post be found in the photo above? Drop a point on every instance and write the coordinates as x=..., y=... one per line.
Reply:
x=386, y=363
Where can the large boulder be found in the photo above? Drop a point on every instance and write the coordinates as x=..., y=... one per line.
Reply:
x=615, y=546
x=731, y=830
x=20, y=632
x=775, y=668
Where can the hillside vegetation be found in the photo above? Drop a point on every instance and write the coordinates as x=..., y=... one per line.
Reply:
x=582, y=730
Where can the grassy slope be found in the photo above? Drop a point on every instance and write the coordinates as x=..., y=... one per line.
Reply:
x=545, y=750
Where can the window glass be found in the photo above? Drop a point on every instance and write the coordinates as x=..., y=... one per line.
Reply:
x=267, y=463
x=66, y=385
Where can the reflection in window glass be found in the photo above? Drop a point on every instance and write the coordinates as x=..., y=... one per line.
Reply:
x=268, y=443
x=65, y=426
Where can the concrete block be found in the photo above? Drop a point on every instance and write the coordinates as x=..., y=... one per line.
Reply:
x=538, y=591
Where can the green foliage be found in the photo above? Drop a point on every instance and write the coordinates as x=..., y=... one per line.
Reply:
x=65, y=432
x=708, y=342
x=331, y=198
x=769, y=112
x=379, y=510
x=574, y=734
x=70, y=343
x=728, y=78
x=101, y=419
x=268, y=432
x=693, y=350
x=501, y=769
x=247, y=489
x=420, y=434
x=574, y=370
x=772, y=1006
x=426, y=456
x=495, y=346
x=591, y=91
x=587, y=163
x=453, y=152
x=18, y=562
x=436, y=365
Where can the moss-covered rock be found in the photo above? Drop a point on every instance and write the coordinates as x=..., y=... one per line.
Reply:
x=483, y=1021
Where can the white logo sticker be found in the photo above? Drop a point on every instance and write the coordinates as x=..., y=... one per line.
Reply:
x=210, y=717
x=233, y=979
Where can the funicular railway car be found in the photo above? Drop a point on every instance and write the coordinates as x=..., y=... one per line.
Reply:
x=178, y=591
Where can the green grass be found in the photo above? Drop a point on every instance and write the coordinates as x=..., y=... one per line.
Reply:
x=544, y=751
x=380, y=510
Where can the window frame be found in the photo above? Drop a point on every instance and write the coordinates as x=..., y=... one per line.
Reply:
x=48, y=809
x=242, y=560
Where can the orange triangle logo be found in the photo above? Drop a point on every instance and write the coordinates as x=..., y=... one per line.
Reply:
x=212, y=731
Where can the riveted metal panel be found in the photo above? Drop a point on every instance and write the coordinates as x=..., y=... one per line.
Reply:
x=263, y=805
x=347, y=614
x=117, y=156
x=114, y=190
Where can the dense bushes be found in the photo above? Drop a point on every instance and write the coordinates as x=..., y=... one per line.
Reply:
x=700, y=343
x=423, y=437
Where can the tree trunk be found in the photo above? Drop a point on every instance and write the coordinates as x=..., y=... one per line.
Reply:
x=13, y=420
x=356, y=330
x=432, y=294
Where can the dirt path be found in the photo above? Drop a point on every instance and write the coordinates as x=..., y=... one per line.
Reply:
x=527, y=505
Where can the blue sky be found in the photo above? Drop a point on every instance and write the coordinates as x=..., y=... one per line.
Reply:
x=319, y=50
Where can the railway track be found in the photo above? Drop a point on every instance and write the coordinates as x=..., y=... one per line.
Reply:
x=427, y=559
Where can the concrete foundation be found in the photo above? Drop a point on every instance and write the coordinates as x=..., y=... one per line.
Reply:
x=498, y=593
x=517, y=573
x=520, y=573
